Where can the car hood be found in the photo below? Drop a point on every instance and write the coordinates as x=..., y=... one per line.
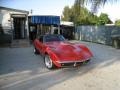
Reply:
x=68, y=51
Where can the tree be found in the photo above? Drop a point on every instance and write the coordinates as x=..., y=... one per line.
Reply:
x=79, y=17
x=104, y=19
x=95, y=4
x=66, y=14
x=117, y=22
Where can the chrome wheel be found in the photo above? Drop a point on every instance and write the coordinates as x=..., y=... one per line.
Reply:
x=34, y=50
x=48, y=62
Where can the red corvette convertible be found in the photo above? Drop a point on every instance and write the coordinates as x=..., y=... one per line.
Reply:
x=58, y=52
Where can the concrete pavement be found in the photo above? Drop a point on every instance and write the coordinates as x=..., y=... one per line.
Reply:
x=20, y=69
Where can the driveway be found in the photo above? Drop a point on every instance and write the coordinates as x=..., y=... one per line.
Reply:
x=20, y=69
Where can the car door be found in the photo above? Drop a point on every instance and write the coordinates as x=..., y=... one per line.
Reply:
x=41, y=45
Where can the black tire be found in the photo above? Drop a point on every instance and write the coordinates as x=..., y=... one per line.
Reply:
x=36, y=51
x=86, y=62
x=48, y=62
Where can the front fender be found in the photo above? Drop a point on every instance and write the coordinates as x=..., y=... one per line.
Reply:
x=86, y=49
x=53, y=56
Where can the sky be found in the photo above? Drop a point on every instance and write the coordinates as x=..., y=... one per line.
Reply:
x=55, y=7
x=113, y=10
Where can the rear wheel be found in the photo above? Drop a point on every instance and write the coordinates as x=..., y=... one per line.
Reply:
x=48, y=62
x=36, y=51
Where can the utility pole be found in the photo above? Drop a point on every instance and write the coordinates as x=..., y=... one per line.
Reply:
x=31, y=11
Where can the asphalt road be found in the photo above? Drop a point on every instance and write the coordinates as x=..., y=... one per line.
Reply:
x=20, y=69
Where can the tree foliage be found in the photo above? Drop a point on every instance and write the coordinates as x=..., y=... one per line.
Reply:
x=117, y=22
x=66, y=13
x=104, y=19
x=81, y=16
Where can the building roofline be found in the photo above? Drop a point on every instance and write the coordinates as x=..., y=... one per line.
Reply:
x=44, y=15
x=6, y=8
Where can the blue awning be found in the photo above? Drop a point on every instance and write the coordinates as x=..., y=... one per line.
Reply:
x=51, y=20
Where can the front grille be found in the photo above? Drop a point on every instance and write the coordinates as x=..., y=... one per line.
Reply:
x=71, y=64
x=67, y=64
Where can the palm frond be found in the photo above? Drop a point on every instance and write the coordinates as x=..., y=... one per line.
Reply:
x=96, y=4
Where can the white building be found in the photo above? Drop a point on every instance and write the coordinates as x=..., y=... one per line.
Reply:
x=13, y=24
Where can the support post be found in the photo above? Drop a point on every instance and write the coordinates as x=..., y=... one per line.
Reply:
x=40, y=28
x=52, y=29
x=27, y=27
x=58, y=29
x=11, y=28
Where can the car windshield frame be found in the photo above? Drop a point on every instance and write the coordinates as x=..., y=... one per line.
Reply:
x=52, y=38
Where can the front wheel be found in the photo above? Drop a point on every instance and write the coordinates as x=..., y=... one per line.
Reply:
x=86, y=62
x=48, y=62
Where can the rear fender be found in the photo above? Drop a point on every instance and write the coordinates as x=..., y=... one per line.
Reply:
x=35, y=43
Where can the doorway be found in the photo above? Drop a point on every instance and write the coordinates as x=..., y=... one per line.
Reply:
x=19, y=28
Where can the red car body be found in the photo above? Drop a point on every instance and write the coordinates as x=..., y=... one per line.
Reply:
x=63, y=52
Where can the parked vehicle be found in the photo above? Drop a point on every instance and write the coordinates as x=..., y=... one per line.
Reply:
x=116, y=41
x=58, y=52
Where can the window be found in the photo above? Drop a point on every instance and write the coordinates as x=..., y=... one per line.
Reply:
x=50, y=38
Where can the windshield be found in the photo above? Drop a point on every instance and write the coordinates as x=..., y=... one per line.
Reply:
x=50, y=38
